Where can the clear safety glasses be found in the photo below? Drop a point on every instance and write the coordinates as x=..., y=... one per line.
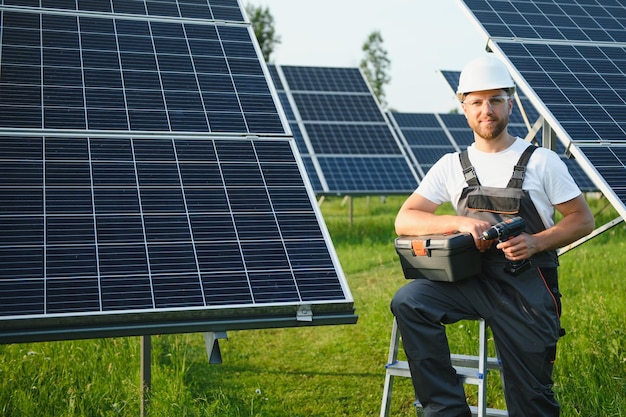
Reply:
x=477, y=103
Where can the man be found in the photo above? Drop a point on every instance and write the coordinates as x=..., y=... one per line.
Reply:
x=522, y=310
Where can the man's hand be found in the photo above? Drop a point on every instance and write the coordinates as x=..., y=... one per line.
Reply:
x=476, y=227
x=519, y=247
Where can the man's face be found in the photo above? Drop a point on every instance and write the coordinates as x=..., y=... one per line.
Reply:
x=487, y=112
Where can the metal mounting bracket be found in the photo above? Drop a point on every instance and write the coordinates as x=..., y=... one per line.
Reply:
x=304, y=313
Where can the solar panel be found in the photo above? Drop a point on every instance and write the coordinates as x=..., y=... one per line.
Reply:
x=147, y=182
x=521, y=126
x=347, y=143
x=569, y=58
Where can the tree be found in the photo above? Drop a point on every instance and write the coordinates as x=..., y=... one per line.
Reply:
x=264, y=30
x=375, y=65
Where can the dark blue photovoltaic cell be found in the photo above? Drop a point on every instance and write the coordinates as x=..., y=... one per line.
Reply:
x=275, y=78
x=102, y=73
x=456, y=121
x=335, y=115
x=427, y=137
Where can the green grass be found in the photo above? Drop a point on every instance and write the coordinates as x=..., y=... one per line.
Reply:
x=325, y=371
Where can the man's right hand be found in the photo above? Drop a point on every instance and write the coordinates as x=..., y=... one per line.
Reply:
x=476, y=227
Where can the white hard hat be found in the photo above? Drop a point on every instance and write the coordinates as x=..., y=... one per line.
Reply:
x=484, y=73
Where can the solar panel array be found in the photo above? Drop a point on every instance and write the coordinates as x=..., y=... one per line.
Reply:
x=569, y=58
x=147, y=181
x=347, y=143
x=520, y=126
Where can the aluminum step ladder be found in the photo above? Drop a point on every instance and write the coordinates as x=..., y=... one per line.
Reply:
x=472, y=369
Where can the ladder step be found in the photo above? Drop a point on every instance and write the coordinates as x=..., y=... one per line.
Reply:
x=399, y=368
x=472, y=361
x=490, y=412
x=468, y=374
x=464, y=361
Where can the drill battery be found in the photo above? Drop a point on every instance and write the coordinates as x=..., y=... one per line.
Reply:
x=442, y=257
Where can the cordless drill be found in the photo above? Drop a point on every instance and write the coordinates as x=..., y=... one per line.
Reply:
x=504, y=231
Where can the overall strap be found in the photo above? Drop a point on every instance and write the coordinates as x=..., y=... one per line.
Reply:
x=468, y=170
x=519, y=171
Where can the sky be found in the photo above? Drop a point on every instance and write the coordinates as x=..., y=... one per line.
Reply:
x=420, y=36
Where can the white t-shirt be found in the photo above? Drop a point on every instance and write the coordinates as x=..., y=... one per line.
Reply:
x=547, y=179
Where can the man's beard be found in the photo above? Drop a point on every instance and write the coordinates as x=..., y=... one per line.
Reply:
x=494, y=131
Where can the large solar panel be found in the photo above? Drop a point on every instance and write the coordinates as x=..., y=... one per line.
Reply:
x=521, y=123
x=347, y=143
x=569, y=58
x=147, y=182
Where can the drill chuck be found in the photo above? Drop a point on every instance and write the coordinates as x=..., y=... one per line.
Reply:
x=505, y=230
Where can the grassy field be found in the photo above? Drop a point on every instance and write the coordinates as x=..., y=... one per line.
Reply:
x=327, y=371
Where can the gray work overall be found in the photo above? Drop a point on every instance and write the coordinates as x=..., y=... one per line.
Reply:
x=522, y=311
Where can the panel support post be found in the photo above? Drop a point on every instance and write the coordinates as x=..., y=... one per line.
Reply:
x=351, y=209
x=549, y=137
x=211, y=341
x=146, y=374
